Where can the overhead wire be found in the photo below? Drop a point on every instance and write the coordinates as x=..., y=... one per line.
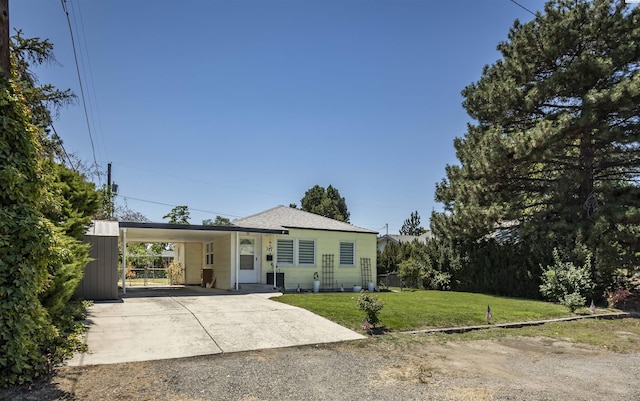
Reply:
x=139, y=168
x=523, y=7
x=84, y=103
x=64, y=151
x=94, y=108
x=169, y=204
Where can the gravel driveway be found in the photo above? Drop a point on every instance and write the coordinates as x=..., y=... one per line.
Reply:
x=409, y=368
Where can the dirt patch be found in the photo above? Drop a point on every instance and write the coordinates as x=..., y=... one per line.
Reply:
x=517, y=368
x=406, y=367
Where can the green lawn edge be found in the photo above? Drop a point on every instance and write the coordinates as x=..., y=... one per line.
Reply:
x=424, y=309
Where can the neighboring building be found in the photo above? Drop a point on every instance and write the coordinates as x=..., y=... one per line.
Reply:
x=387, y=239
x=298, y=243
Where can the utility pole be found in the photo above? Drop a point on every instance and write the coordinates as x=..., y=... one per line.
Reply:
x=5, y=64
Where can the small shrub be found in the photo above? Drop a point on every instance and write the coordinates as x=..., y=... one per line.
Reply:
x=175, y=272
x=410, y=272
x=566, y=283
x=436, y=280
x=371, y=305
x=615, y=298
x=573, y=301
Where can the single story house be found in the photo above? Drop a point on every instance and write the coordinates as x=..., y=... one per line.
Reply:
x=295, y=243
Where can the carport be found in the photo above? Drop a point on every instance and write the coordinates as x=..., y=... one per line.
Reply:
x=219, y=248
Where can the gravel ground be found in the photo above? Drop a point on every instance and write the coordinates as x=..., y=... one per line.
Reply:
x=403, y=368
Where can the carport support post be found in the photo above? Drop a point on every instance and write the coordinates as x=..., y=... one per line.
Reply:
x=124, y=260
x=237, y=260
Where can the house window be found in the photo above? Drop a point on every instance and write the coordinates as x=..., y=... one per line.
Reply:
x=347, y=253
x=306, y=252
x=284, y=252
x=300, y=252
x=208, y=255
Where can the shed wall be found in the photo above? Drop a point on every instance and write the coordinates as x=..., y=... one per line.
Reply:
x=100, y=280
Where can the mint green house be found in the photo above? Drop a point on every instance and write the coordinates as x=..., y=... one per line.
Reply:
x=295, y=243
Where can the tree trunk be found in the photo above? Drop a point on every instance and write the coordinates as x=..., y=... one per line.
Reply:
x=586, y=196
x=5, y=64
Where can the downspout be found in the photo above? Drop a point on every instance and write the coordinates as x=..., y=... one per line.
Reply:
x=237, y=260
x=124, y=260
x=275, y=283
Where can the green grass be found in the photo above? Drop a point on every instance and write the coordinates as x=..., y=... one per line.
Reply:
x=415, y=310
x=619, y=335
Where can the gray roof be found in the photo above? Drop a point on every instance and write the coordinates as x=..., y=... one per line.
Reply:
x=103, y=228
x=284, y=217
x=406, y=238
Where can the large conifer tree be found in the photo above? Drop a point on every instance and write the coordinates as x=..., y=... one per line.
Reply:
x=555, y=147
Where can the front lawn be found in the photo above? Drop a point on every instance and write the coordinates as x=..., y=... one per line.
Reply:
x=415, y=310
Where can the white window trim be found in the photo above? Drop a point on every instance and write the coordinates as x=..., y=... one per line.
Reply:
x=208, y=252
x=296, y=252
x=354, y=253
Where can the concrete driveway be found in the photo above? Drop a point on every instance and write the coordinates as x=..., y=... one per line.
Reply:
x=162, y=327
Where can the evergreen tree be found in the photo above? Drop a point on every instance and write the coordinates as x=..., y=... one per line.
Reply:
x=555, y=149
x=41, y=99
x=412, y=225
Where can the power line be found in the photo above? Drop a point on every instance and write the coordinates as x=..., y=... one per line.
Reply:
x=138, y=168
x=63, y=149
x=523, y=7
x=91, y=87
x=168, y=204
x=84, y=103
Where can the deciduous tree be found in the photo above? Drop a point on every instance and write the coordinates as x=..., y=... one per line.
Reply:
x=178, y=215
x=326, y=203
x=219, y=221
x=26, y=239
x=44, y=210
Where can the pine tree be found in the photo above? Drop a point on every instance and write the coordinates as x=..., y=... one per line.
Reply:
x=411, y=226
x=555, y=147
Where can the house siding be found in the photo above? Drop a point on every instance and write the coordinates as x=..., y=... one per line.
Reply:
x=193, y=258
x=222, y=267
x=268, y=248
x=328, y=242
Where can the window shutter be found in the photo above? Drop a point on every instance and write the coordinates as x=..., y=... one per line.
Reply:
x=285, y=251
x=347, y=253
x=306, y=252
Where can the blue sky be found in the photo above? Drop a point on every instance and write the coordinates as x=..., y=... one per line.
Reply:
x=234, y=107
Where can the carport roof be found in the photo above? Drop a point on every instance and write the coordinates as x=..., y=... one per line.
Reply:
x=164, y=232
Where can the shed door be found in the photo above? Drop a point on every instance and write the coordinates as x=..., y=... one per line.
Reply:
x=247, y=261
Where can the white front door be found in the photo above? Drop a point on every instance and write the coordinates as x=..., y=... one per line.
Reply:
x=248, y=262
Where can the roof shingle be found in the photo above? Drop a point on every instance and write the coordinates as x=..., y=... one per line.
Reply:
x=283, y=217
